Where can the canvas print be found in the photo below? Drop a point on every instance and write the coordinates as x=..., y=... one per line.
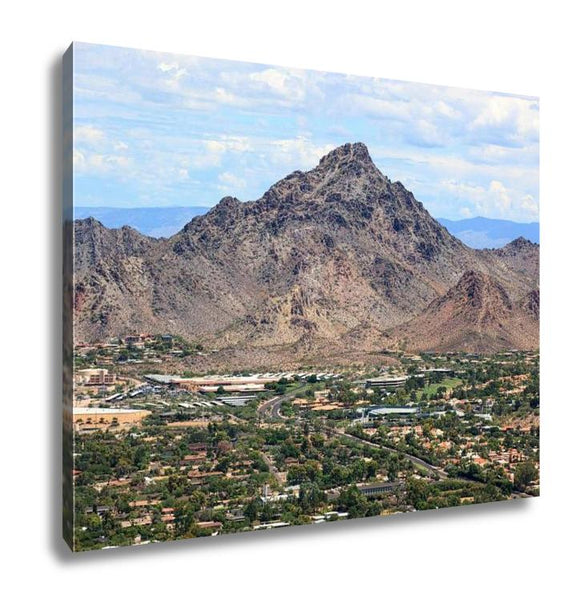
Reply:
x=291, y=297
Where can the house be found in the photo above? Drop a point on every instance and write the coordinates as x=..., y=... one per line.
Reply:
x=144, y=503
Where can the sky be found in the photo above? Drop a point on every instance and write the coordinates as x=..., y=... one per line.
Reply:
x=157, y=130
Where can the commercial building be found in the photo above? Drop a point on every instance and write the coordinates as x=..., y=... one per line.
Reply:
x=94, y=377
x=381, y=412
x=388, y=383
x=232, y=388
x=236, y=402
x=379, y=488
x=210, y=384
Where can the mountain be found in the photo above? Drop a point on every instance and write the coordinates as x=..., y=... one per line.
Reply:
x=521, y=256
x=475, y=315
x=490, y=233
x=326, y=260
x=152, y=221
x=166, y=221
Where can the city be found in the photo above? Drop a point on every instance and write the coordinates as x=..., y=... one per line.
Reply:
x=164, y=453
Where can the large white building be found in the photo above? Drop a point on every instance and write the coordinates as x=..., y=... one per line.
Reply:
x=390, y=383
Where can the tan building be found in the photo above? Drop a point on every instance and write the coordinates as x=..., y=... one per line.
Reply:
x=210, y=384
x=94, y=377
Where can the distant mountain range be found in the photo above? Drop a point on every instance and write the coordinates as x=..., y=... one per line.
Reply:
x=151, y=221
x=490, y=233
x=327, y=263
x=167, y=221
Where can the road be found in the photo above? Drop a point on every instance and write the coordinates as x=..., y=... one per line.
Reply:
x=433, y=469
x=420, y=462
x=271, y=408
x=272, y=468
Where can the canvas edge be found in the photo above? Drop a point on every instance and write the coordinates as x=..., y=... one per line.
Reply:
x=67, y=300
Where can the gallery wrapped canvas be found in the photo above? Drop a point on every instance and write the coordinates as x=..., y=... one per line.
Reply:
x=291, y=297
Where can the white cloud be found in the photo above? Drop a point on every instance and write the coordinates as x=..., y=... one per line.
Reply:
x=229, y=181
x=173, y=73
x=529, y=205
x=88, y=134
x=165, y=67
x=378, y=107
x=427, y=133
x=225, y=96
x=445, y=109
x=97, y=152
x=88, y=162
x=274, y=78
x=502, y=155
x=299, y=153
x=173, y=69
x=157, y=121
x=283, y=82
x=493, y=201
x=78, y=159
x=214, y=150
x=517, y=117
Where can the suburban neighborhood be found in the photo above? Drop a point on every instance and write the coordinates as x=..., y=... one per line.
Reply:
x=163, y=453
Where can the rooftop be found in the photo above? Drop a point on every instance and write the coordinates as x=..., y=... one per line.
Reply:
x=80, y=411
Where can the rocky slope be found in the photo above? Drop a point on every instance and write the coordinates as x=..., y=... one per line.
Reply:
x=475, y=315
x=338, y=254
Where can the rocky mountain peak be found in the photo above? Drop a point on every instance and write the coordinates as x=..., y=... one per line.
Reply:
x=478, y=289
x=95, y=241
x=87, y=224
x=222, y=215
x=344, y=173
x=323, y=254
x=475, y=315
x=350, y=162
x=347, y=153
x=519, y=245
x=228, y=201
x=345, y=198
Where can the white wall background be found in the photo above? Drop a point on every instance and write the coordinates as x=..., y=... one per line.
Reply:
x=497, y=558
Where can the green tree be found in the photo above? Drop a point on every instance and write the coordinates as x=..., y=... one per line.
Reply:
x=524, y=474
x=353, y=501
x=311, y=496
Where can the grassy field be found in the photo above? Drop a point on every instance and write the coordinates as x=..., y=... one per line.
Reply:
x=448, y=383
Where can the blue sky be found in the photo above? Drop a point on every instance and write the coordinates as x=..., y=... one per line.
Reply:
x=155, y=130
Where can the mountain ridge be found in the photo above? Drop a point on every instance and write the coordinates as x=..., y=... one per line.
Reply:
x=322, y=253
x=480, y=232
x=475, y=315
